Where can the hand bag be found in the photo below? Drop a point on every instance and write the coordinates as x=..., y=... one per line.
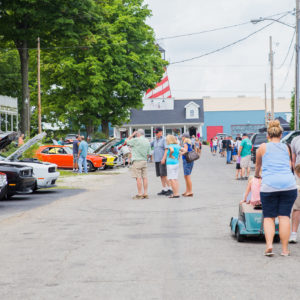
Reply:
x=191, y=156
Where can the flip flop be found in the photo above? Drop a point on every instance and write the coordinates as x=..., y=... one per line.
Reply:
x=137, y=197
x=188, y=195
x=285, y=254
x=269, y=252
x=174, y=196
x=145, y=197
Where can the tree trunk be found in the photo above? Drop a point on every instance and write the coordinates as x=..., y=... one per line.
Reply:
x=90, y=129
x=24, y=59
x=105, y=127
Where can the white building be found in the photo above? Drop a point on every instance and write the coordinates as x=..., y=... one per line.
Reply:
x=8, y=114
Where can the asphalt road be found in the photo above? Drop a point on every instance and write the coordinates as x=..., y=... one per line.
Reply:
x=21, y=203
x=101, y=244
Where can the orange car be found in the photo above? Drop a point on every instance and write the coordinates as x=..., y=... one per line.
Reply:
x=63, y=157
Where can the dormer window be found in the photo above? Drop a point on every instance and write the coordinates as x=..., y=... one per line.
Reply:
x=192, y=110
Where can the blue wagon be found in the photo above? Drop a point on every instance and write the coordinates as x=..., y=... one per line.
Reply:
x=250, y=223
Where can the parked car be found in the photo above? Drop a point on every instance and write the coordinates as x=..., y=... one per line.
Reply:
x=62, y=156
x=221, y=135
x=20, y=178
x=45, y=173
x=70, y=138
x=104, y=150
x=289, y=137
x=257, y=139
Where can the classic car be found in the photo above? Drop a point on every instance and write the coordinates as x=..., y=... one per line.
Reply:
x=45, y=173
x=62, y=156
x=19, y=177
x=105, y=150
x=3, y=185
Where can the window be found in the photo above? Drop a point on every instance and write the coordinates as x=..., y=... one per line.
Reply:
x=148, y=133
x=192, y=113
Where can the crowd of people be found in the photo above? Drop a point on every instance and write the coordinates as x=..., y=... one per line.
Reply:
x=167, y=152
x=236, y=151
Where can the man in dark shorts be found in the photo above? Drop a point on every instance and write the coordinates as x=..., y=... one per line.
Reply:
x=75, y=153
x=160, y=153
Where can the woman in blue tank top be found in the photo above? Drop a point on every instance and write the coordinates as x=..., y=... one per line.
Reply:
x=278, y=190
x=187, y=167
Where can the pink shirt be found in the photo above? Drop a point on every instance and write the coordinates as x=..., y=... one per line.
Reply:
x=255, y=191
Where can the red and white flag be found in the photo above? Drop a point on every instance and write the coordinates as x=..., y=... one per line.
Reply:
x=161, y=90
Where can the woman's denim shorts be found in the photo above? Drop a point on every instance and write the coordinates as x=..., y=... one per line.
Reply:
x=276, y=204
x=187, y=167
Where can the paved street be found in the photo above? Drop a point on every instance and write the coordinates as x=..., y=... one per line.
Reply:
x=100, y=244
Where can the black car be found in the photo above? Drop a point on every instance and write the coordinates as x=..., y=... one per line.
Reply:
x=257, y=139
x=19, y=178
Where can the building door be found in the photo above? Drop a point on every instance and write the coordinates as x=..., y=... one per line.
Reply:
x=192, y=131
x=212, y=131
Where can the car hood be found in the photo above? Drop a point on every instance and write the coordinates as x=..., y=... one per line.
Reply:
x=27, y=145
x=6, y=139
x=108, y=144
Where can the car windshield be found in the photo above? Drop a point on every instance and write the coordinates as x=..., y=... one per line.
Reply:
x=68, y=150
x=260, y=138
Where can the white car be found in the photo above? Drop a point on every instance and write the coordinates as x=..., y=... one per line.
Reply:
x=45, y=173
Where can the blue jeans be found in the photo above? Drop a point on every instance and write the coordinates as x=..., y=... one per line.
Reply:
x=80, y=161
x=228, y=156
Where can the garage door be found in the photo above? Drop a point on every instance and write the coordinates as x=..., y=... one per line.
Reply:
x=212, y=131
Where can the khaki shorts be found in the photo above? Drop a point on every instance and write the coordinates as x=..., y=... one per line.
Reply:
x=246, y=161
x=139, y=169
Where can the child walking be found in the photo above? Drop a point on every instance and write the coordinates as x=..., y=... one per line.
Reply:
x=238, y=173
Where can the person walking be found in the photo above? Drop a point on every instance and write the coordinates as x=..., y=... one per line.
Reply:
x=228, y=150
x=278, y=188
x=173, y=164
x=187, y=166
x=160, y=154
x=295, y=147
x=245, y=154
x=197, y=146
x=140, y=150
x=215, y=145
x=75, y=152
x=82, y=154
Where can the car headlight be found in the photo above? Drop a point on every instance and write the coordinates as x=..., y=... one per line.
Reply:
x=3, y=180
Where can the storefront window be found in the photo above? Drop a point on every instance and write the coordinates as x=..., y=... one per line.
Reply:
x=148, y=133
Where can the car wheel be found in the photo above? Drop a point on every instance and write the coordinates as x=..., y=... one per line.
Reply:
x=240, y=238
x=90, y=166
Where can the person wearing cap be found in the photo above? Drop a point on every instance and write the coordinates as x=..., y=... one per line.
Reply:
x=245, y=155
x=160, y=149
x=140, y=149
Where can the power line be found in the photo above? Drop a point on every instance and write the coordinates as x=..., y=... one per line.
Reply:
x=226, y=46
x=288, y=52
x=217, y=29
x=288, y=72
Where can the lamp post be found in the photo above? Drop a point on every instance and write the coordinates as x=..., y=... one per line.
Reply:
x=297, y=91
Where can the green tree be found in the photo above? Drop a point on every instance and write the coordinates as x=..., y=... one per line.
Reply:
x=56, y=22
x=98, y=84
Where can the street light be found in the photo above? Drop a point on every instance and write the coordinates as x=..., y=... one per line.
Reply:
x=255, y=21
x=297, y=89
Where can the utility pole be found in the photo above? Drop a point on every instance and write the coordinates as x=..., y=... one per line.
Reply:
x=297, y=92
x=271, y=58
x=266, y=111
x=39, y=86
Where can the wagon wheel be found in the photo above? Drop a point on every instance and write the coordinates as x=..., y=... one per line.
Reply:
x=240, y=238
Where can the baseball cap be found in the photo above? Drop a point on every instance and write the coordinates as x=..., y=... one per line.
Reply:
x=158, y=129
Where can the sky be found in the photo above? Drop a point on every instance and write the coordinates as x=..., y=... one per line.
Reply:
x=240, y=70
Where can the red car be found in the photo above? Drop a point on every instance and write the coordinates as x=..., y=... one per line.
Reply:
x=63, y=157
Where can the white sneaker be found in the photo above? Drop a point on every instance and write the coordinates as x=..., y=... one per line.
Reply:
x=293, y=238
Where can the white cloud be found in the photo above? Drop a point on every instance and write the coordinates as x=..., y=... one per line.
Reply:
x=242, y=68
